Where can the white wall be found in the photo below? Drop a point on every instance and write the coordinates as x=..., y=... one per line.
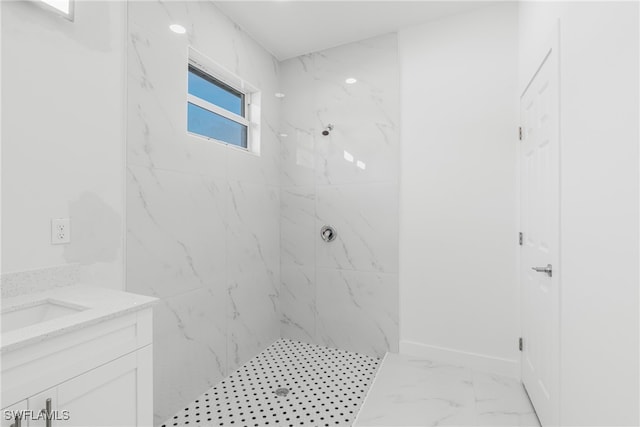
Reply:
x=458, y=283
x=599, y=202
x=62, y=139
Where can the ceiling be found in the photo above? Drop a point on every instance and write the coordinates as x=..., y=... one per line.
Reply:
x=295, y=27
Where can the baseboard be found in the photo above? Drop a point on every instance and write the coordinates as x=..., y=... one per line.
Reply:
x=480, y=362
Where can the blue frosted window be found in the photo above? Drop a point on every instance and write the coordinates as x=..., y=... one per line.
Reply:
x=215, y=110
x=207, y=123
x=214, y=91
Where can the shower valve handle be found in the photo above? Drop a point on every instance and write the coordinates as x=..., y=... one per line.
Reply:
x=328, y=233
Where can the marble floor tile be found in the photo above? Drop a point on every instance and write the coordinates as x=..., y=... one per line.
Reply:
x=501, y=401
x=409, y=391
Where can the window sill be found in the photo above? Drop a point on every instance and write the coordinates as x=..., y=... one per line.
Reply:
x=226, y=144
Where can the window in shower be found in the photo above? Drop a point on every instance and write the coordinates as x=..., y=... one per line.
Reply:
x=221, y=106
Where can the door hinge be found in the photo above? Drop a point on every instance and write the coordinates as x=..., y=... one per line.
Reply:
x=520, y=238
x=520, y=133
x=520, y=344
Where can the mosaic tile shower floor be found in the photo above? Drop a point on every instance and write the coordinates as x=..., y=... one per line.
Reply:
x=326, y=388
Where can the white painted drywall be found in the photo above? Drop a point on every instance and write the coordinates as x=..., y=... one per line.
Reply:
x=458, y=246
x=62, y=138
x=599, y=202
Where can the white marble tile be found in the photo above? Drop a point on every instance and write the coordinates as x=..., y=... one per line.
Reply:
x=366, y=219
x=505, y=418
x=175, y=232
x=415, y=392
x=157, y=87
x=253, y=232
x=211, y=32
x=221, y=39
x=252, y=315
x=298, y=157
x=189, y=348
x=156, y=125
x=253, y=270
x=365, y=115
x=360, y=202
x=203, y=217
x=360, y=141
x=298, y=304
x=263, y=168
x=298, y=226
x=502, y=401
x=298, y=82
x=357, y=311
x=410, y=391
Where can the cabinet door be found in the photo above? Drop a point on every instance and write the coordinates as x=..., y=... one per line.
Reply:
x=105, y=396
x=115, y=394
x=42, y=406
x=9, y=413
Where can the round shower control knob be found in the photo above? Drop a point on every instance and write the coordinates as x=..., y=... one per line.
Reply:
x=328, y=233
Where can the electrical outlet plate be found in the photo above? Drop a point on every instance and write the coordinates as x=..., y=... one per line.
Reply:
x=60, y=231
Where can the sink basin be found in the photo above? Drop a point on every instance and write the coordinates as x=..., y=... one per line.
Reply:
x=38, y=312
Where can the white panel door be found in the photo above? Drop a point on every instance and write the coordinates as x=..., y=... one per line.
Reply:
x=539, y=210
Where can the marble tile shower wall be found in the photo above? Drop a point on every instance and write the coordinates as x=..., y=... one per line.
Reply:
x=202, y=218
x=341, y=294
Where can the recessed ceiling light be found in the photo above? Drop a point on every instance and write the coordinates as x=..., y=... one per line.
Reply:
x=351, y=80
x=279, y=95
x=284, y=135
x=361, y=165
x=177, y=28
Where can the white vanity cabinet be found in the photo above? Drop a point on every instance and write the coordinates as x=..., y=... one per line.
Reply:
x=110, y=395
x=9, y=414
x=100, y=374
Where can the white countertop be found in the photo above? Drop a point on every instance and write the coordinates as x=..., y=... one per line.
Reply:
x=101, y=304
